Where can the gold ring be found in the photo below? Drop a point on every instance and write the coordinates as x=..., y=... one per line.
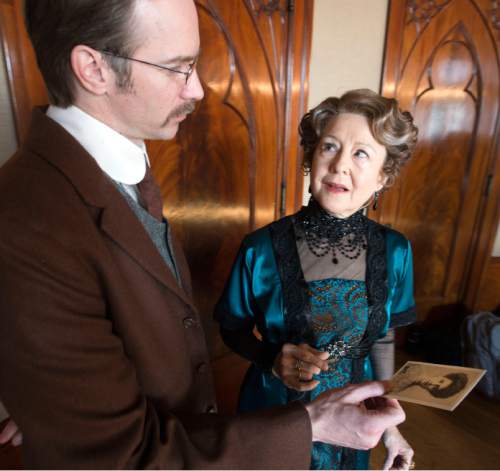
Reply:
x=412, y=465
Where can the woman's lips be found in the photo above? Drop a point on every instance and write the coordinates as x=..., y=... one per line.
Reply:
x=335, y=188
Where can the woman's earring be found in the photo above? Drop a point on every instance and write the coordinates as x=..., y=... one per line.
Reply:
x=375, y=200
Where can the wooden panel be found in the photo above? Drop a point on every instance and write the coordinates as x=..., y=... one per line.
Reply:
x=297, y=93
x=442, y=64
x=485, y=237
x=25, y=81
x=14, y=67
x=488, y=296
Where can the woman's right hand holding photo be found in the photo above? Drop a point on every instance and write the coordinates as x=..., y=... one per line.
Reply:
x=295, y=366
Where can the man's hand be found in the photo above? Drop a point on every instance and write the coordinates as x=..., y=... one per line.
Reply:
x=11, y=433
x=341, y=417
x=295, y=365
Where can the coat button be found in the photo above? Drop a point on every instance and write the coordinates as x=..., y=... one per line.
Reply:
x=211, y=409
x=189, y=322
x=201, y=368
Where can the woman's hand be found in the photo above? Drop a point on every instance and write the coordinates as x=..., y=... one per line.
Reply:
x=295, y=365
x=399, y=452
x=11, y=433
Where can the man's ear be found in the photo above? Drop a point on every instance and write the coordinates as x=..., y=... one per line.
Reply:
x=91, y=70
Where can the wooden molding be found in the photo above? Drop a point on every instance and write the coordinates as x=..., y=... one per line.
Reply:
x=18, y=88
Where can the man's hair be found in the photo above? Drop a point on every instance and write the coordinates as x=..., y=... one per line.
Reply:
x=57, y=26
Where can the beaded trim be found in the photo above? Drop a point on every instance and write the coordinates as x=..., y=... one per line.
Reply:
x=327, y=234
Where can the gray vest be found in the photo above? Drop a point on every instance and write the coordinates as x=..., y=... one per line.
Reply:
x=158, y=231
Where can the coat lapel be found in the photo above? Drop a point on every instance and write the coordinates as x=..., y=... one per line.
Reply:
x=120, y=223
x=51, y=142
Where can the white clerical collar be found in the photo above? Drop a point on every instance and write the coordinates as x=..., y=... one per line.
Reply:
x=117, y=156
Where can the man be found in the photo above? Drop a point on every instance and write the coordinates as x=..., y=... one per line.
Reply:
x=104, y=362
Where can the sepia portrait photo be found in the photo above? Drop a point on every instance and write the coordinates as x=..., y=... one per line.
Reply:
x=441, y=386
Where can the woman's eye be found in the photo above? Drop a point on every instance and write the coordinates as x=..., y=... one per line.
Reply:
x=361, y=154
x=328, y=147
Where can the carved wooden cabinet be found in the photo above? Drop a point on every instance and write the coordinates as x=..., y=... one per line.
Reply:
x=442, y=64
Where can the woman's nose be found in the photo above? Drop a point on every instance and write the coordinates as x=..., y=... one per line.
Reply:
x=340, y=162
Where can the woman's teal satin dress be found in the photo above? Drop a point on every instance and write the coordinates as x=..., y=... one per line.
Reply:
x=254, y=297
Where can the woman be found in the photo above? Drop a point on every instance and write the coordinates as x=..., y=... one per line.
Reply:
x=324, y=285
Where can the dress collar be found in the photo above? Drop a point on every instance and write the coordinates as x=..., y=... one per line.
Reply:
x=326, y=234
x=316, y=215
x=117, y=156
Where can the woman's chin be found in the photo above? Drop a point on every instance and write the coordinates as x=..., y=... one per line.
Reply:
x=337, y=210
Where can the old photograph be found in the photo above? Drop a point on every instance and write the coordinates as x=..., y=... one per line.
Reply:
x=434, y=385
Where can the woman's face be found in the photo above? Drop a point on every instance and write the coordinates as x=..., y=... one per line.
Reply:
x=347, y=165
x=437, y=382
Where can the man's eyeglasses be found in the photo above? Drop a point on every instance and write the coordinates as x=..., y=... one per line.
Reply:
x=187, y=73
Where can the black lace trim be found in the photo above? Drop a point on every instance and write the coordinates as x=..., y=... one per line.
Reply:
x=294, y=286
x=400, y=319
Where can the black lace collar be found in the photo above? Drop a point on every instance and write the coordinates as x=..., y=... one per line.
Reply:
x=326, y=234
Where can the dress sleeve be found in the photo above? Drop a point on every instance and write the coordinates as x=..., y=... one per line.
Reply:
x=237, y=309
x=402, y=308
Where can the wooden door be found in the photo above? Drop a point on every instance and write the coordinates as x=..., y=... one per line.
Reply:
x=235, y=164
x=25, y=82
x=442, y=64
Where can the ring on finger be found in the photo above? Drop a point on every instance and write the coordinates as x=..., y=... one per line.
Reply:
x=412, y=465
x=298, y=366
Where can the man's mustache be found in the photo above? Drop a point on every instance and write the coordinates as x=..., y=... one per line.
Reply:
x=183, y=110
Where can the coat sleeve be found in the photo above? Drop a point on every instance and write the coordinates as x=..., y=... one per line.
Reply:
x=67, y=381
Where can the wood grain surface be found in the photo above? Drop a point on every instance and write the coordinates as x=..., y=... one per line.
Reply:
x=442, y=63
